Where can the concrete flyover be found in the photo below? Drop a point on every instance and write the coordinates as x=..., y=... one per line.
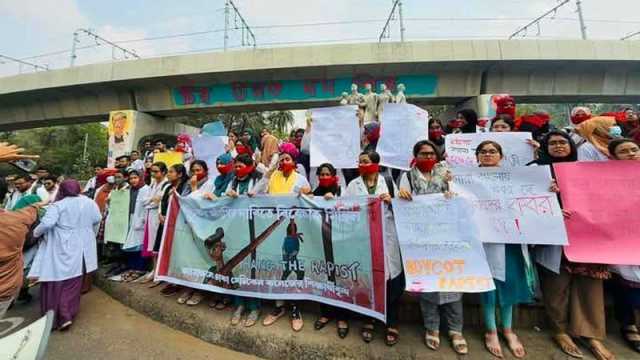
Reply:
x=435, y=72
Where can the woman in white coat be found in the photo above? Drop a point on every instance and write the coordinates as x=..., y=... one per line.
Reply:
x=66, y=253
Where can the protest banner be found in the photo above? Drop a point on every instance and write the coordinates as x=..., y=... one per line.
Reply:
x=207, y=148
x=513, y=205
x=402, y=127
x=461, y=148
x=121, y=134
x=602, y=198
x=116, y=225
x=441, y=250
x=169, y=158
x=279, y=247
x=335, y=137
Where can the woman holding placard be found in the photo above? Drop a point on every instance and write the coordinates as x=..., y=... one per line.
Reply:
x=430, y=175
x=514, y=282
x=372, y=183
x=572, y=292
x=626, y=278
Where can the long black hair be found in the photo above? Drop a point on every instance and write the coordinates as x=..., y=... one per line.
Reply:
x=472, y=120
x=544, y=158
x=421, y=143
x=321, y=191
x=184, y=177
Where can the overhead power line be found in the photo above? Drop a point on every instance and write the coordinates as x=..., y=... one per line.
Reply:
x=98, y=39
x=386, y=30
x=629, y=36
x=36, y=67
x=248, y=37
x=536, y=21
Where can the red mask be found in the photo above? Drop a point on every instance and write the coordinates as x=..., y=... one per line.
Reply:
x=201, y=175
x=241, y=149
x=368, y=169
x=578, y=118
x=456, y=123
x=426, y=165
x=435, y=134
x=483, y=122
x=242, y=172
x=328, y=181
x=180, y=147
x=297, y=142
x=287, y=167
x=225, y=169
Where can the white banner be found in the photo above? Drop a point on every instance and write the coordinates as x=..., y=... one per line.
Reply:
x=440, y=247
x=461, y=148
x=335, y=137
x=402, y=126
x=513, y=205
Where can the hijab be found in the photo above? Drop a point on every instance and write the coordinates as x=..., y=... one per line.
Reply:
x=291, y=149
x=68, y=188
x=269, y=147
x=587, y=129
x=253, y=143
x=546, y=159
x=223, y=180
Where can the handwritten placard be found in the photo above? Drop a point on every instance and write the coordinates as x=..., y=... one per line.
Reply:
x=461, y=148
x=402, y=126
x=335, y=137
x=514, y=205
x=440, y=248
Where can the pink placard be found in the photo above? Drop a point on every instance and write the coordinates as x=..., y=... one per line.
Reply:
x=604, y=199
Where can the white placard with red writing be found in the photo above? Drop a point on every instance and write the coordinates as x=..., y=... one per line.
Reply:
x=513, y=205
x=441, y=250
x=461, y=148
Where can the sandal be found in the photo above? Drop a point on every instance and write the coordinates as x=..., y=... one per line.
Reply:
x=252, y=318
x=319, y=324
x=599, y=351
x=391, y=337
x=275, y=314
x=195, y=299
x=459, y=343
x=432, y=339
x=343, y=330
x=514, y=344
x=566, y=344
x=221, y=305
x=170, y=290
x=155, y=284
x=367, y=332
x=631, y=336
x=492, y=344
x=237, y=315
x=186, y=295
x=296, y=319
x=147, y=278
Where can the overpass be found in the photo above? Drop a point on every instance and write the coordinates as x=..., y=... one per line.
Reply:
x=434, y=72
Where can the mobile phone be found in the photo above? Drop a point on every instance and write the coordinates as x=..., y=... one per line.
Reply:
x=27, y=165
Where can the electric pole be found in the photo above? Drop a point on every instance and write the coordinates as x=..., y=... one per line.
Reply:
x=583, y=27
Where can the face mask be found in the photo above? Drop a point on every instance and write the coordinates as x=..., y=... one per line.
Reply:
x=119, y=181
x=240, y=173
x=297, y=142
x=435, y=134
x=368, y=169
x=456, y=124
x=287, y=167
x=201, y=176
x=578, y=118
x=328, y=181
x=426, y=165
x=111, y=179
x=615, y=132
x=241, y=149
x=225, y=169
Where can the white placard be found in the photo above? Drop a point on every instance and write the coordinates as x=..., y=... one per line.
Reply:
x=440, y=247
x=335, y=137
x=461, y=148
x=403, y=125
x=208, y=148
x=514, y=205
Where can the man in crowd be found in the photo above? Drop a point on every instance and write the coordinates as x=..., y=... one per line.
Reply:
x=136, y=162
x=23, y=185
x=122, y=162
x=160, y=146
x=51, y=186
x=147, y=150
x=90, y=187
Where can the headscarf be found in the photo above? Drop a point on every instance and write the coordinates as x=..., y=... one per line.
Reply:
x=578, y=118
x=252, y=139
x=141, y=182
x=502, y=101
x=269, y=147
x=588, y=128
x=289, y=148
x=372, y=132
x=183, y=143
x=223, y=180
x=68, y=188
x=546, y=159
x=102, y=176
x=537, y=124
x=26, y=201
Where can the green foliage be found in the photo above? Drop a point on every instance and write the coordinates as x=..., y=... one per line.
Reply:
x=276, y=121
x=61, y=148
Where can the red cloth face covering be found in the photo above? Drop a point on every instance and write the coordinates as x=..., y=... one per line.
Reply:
x=201, y=176
x=225, y=169
x=287, y=167
x=578, y=118
x=241, y=149
x=328, y=181
x=368, y=169
x=435, y=134
x=242, y=172
x=425, y=165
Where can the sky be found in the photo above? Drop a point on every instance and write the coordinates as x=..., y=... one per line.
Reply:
x=34, y=27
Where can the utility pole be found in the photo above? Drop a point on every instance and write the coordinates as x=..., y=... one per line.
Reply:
x=226, y=24
x=401, y=20
x=98, y=39
x=84, y=152
x=583, y=27
x=385, y=30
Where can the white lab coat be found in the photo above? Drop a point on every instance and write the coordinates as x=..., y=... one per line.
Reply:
x=392, y=259
x=135, y=236
x=69, y=240
x=152, y=211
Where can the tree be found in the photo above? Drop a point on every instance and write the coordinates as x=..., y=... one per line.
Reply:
x=276, y=121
